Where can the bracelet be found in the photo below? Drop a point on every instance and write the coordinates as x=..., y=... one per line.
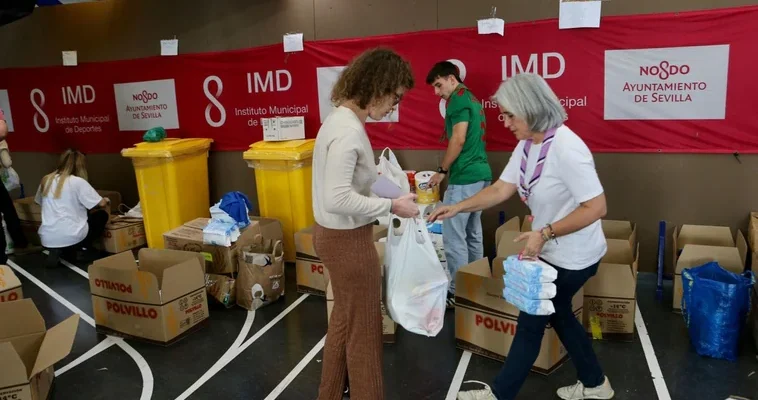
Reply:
x=552, y=233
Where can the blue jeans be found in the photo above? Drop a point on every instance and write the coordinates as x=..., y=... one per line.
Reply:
x=531, y=328
x=462, y=234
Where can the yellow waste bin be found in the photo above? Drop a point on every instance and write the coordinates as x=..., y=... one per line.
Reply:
x=283, y=181
x=172, y=178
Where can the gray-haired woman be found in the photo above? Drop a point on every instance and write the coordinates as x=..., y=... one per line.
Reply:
x=553, y=172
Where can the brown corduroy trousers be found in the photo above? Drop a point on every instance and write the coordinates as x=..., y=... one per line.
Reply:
x=354, y=337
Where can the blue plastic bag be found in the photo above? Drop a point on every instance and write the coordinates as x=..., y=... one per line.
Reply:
x=715, y=306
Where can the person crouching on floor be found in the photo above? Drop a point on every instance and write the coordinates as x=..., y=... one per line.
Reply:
x=73, y=213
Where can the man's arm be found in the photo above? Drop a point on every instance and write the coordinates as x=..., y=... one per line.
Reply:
x=457, y=140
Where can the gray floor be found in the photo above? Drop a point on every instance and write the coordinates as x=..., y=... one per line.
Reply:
x=415, y=367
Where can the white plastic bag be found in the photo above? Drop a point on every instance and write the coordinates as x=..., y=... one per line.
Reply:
x=416, y=283
x=10, y=178
x=390, y=168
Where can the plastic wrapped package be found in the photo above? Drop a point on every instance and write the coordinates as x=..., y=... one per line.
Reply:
x=715, y=306
x=530, y=271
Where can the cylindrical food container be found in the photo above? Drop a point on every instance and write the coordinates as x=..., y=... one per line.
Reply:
x=424, y=193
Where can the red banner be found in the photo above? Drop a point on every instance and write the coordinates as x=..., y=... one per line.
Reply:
x=650, y=83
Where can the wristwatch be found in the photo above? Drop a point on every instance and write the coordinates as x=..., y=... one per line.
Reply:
x=441, y=170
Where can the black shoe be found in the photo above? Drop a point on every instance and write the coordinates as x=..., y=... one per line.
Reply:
x=53, y=258
x=450, y=301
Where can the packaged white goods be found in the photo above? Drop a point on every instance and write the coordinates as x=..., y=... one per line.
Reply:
x=531, y=271
x=536, y=291
x=527, y=305
x=220, y=233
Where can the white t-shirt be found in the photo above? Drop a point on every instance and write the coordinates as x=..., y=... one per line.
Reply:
x=64, y=220
x=568, y=179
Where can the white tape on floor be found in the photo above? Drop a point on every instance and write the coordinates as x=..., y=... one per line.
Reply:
x=147, y=374
x=296, y=371
x=231, y=355
x=652, y=360
x=460, y=372
x=100, y=347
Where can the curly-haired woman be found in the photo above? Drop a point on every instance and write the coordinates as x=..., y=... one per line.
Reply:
x=343, y=172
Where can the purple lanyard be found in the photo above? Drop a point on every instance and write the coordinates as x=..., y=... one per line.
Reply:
x=524, y=187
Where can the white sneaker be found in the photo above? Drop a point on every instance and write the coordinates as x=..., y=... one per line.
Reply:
x=579, y=392
x=480, y=394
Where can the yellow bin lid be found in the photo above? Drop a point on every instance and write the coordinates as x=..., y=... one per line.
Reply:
x=290, y=150
x=167, y=148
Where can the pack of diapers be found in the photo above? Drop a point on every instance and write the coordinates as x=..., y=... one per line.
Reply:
x=529, y=285
x=530, y=271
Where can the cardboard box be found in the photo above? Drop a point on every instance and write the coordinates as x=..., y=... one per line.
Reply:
x=389, y=327
x=485, y=323
x=695, y=245
x=28, y=210
x=610, y=297
x=752, y=232
x=28, y=350
x=160, y=300
x=31, y=232
x=122, y=234
x=283, y=128
x=309, y=268
x=10, y=286
x=219, y=259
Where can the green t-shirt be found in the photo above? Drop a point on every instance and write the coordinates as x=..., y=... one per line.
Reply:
x=471, y=166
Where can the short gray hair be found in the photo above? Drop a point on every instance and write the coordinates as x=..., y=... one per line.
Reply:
x=529, y=97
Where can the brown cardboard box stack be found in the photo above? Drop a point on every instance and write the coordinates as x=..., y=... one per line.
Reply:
x=159, y=299
x=120, y=234
x=10, y=286
x=28, y=350
x=309, y=269
x=389, y=327
x=610, y=297
x=485, y=323
x=695, y=245
x=221, y=262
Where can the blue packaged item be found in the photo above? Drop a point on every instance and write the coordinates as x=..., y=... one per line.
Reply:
x=530, y=271
x=529, y=306
x=237, y=205
x=535, y=291
x=715, y=306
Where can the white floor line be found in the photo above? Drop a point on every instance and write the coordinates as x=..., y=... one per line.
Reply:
x=144, y=368
x=100, y=347
x=460, y=372
x=229, y=356
x=652, y=360
x=147, y=374
x=86, y=318
x=296, y=371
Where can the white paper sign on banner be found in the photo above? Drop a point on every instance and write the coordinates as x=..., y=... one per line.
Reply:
x=5, y=105
x=293, y=42
x=145, y=105
x=170, y=47
x=673, y=83
x=579, y=14
x=326, y=78
x=69, y=58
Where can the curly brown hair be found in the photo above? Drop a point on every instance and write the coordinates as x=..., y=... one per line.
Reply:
x=372, y=75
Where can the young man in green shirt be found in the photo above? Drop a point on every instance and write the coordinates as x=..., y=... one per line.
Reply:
x=465, y=165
